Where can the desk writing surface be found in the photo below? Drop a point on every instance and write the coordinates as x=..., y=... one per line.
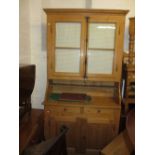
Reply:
x=95, y=101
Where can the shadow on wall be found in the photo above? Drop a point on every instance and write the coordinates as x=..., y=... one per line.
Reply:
x=43, y=37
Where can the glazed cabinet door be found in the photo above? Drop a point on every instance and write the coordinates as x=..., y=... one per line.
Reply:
x=103, y=47
x=66, y=47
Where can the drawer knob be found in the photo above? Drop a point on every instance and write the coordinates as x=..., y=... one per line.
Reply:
x=98, y=111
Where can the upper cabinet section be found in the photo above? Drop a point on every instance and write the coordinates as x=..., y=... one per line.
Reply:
x=85, y=44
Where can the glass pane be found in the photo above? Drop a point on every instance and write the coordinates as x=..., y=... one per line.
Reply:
x=67, y=60
x=101, y=35
x=100, y=62
x=68, y=35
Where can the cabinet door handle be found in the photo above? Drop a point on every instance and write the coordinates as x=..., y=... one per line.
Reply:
x=48, y=111
x=98, y=111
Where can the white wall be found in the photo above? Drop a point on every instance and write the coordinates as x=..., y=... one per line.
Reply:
x=33, y=33
x=37, y=54
x=66, y=4
x=24, y=32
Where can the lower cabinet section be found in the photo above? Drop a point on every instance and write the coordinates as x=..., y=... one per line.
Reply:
x=86, y=131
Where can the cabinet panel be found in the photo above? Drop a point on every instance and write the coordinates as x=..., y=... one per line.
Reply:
x=99, y=135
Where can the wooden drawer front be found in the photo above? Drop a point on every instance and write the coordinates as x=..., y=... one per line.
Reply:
x=53, y=110
x=63, y=110
x=99, y=112
x=70, y=110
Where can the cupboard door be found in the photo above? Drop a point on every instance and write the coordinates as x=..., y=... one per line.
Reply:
x=99, y=135
x=66, y=47
x=102, y=48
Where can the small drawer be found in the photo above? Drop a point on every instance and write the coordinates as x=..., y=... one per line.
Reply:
x=54, y=110
x=63, y=110
x=99, y=112
x=70, y=110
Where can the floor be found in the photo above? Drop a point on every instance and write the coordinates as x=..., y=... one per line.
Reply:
x=89, y=152
x=83, y=154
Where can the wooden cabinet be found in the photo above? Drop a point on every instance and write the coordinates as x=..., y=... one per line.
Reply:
x=84, y=57
x=85, y=44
